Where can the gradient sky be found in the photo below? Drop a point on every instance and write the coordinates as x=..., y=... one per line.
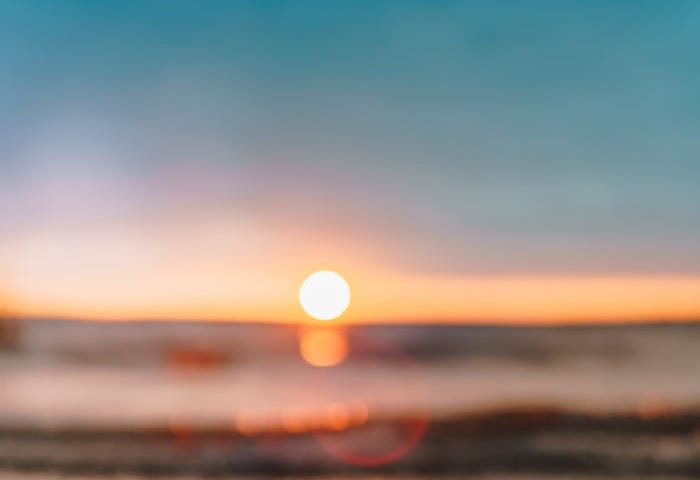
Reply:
x=456, y=160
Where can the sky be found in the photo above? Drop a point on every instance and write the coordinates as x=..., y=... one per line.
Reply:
x=456, y=161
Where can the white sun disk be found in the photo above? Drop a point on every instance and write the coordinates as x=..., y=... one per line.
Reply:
x=324, y=295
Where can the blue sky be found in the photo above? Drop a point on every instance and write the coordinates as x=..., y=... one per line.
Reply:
x=469, y=137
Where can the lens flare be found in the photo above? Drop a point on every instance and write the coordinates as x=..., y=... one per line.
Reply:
x=389, y=437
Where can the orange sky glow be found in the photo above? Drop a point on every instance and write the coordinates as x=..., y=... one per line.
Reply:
x=376, y=297
x=198, y=275
x=197, y=163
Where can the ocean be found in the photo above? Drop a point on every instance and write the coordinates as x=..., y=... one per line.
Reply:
x=585, y=400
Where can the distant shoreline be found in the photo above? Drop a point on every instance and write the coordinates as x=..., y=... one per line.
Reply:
x=409, y=323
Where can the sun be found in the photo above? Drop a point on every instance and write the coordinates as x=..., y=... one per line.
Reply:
x=324, y=295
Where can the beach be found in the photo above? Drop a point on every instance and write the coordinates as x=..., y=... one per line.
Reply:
x=546, y=443
x=425, y=401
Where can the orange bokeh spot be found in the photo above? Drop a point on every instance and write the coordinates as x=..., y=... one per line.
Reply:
x=338, y=416
x=247, y=425
x=323, y=347
x=293, y=421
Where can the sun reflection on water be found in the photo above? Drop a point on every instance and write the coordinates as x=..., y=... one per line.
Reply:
x=323, y=347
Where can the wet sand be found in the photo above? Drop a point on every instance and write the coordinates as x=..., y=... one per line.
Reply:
x=539, y=443
x=58, y=476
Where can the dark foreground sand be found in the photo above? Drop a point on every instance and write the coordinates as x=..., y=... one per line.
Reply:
x=57, y=476
x=534, y=443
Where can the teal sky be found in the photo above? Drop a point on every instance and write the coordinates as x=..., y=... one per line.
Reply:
x=484, y=137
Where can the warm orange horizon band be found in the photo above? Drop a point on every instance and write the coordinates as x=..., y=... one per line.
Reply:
x=377, y=298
